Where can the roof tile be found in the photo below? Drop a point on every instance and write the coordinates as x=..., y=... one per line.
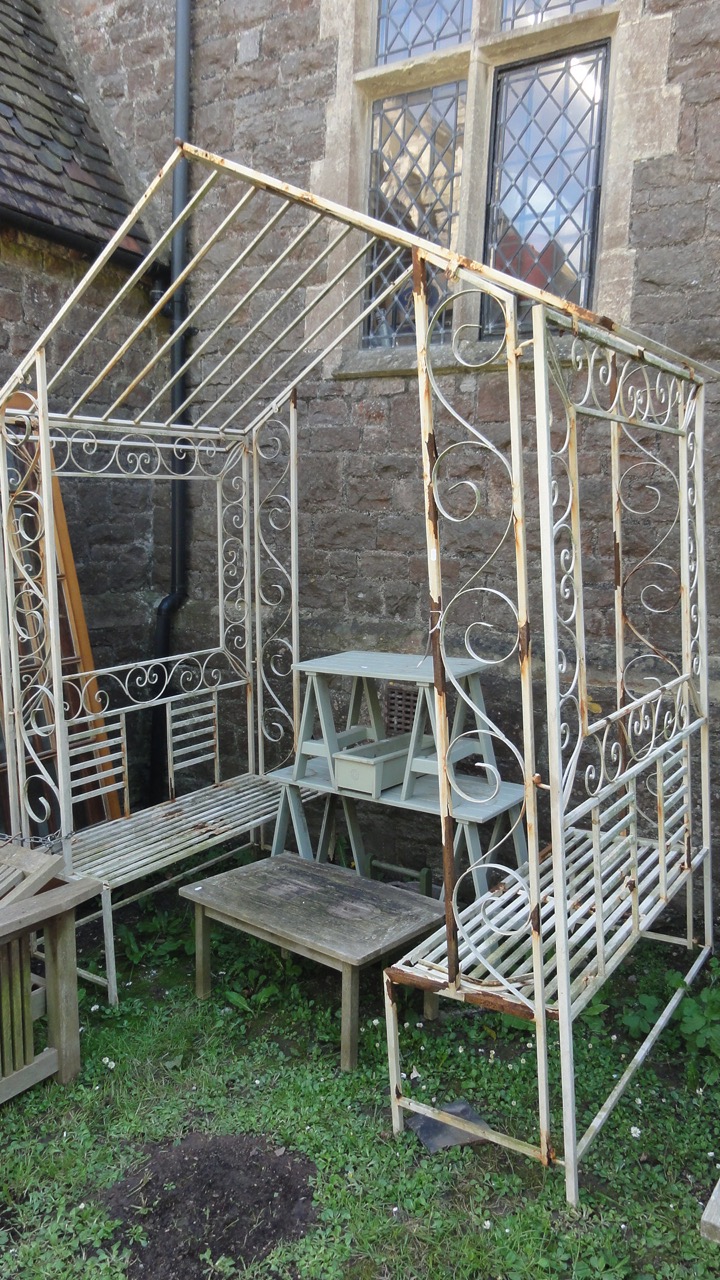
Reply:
x=53, y=164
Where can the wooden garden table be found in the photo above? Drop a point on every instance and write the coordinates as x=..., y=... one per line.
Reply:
x=319, y=911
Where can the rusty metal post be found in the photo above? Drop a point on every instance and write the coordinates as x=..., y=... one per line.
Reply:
x=429, y=458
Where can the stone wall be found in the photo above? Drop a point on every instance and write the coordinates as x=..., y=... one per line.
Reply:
x=261, y=76
x=675, y=232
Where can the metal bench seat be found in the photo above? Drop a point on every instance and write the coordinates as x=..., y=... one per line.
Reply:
x=607, y=890
x=143, y=843
x=152, y=839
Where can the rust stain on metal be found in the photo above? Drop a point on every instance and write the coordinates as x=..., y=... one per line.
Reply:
x=402, y=977
x=293, y=398
x=535, y=918
x=418, y=272
x=389, y=987
x=502, y=1004
x=524, y=642
x=618, y=563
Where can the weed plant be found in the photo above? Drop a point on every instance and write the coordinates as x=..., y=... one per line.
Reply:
x=262, y=1055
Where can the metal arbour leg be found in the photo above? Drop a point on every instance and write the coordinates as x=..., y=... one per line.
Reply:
x=548, y=551
x=393, y=1046
x=106, y=898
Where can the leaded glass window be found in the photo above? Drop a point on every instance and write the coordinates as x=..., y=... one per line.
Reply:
x=410, y=27
x=525, y=13
x=417, y=142
x=545, y=173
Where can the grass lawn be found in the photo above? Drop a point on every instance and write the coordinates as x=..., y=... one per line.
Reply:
x=262, y=1057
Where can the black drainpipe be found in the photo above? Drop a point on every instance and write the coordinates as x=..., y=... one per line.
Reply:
x=170, y=605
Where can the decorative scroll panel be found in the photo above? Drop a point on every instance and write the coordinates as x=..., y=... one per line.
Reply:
x=479, y=503
x=626, y=591
x=30, y=641
x=274, y=516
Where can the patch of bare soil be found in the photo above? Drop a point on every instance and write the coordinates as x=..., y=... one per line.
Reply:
x=231, y=1196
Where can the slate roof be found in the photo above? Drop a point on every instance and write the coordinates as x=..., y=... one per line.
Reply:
x=54, y=167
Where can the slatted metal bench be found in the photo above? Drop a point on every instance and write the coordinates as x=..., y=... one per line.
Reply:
x=222, y=817
x=607, y=903
x=129, y=849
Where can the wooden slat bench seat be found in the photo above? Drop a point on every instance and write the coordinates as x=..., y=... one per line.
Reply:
x=128, y=849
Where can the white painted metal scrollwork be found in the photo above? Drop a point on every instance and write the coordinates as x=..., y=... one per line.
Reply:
x=620, y=389
x=32, y=695
x=275, y=516
x=647, y=411
x=234, y=561
x=89, y=449
x=477, y=501
x=144, y=683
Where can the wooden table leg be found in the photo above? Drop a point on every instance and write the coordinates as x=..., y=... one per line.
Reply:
x=202, y=953
x=350, y=1017
x=62, y=1001
x=431, y=1006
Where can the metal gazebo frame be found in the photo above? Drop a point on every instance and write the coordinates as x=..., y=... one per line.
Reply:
x=616, y=801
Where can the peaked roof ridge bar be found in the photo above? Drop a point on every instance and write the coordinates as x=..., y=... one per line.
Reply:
x=446, y=258
x=93, y=271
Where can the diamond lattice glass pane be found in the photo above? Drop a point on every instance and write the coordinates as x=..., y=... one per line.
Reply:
x=407, y=27
x=416, y=158
x=545, y=174
x=526, y=13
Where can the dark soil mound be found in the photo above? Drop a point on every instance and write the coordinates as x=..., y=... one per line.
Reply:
x=234, y=1197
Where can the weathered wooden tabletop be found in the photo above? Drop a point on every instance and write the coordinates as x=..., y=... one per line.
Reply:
x=322, y=907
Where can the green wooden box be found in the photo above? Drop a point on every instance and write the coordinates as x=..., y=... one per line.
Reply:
x=373, y=768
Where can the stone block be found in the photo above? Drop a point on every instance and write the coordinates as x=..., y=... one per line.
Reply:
x=678, y=223
x=343, y=528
